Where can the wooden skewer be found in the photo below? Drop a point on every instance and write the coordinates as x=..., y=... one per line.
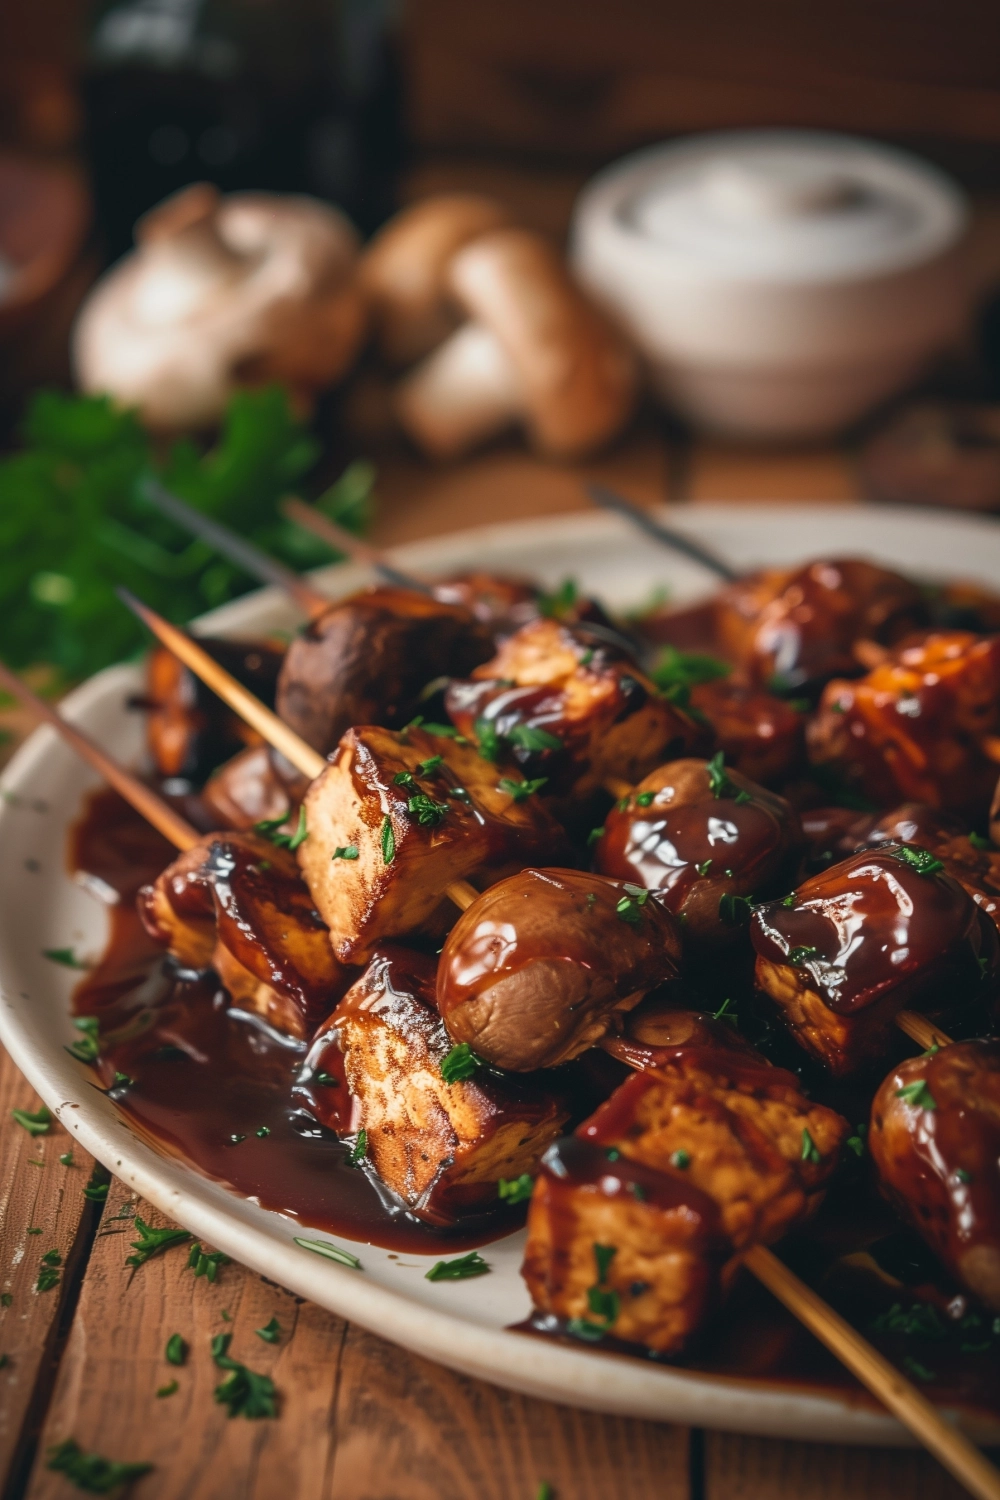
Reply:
x=145, y=801
x=342, y=540
x=267, y=724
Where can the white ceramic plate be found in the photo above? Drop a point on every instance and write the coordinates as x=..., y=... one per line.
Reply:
x=461, y=1324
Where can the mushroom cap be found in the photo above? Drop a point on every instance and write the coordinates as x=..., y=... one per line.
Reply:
x=403, y=270
x=578, y=375
x=221, y=293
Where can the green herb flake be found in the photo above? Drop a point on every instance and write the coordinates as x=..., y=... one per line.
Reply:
x=487, y=739
x=331, y=1252
x=359, y=1150
x=521, y=790
x=442, y=731
x=245, y=1393
x=800, y=954
x=921, y=860
x=33, y=1231
x=387, y=840
x=67, y=1159
x=153, y=1242
x=629, y=907
x=704, y=868
x=405, y=779
x=460, y=1063
x=86, y=1048
x=557, y=605
x=531, y=737
x=226, y=1315
x=427, y=767
x=327, y=1080
x=603, y=1304
x=856, y=1142
x=176, y=1350
x=270, y=1333
x=579, y=1328
x=718, y=782
x=725, y=1012
x=96, y=1190
x=89, y=1471
x=48, y=1276
x=918, y=1094
x=427, y=812
x=545, y=1491
x=35, y=1124
x=170, y=1389
x=122, y=1081
x=644, y=799
x=345, y=851
x=64, y=956
x=459, y=1269
x=789, y=900
x=963, y=1175
x=810, y=1150
x=735, y=911
x=262, y=1132
x=204, y=1264
x=978, y=842
x=587, y=657
x=6, y=1299
x=914, y=1367
x=593, y=836
x=515, y=1189
x=680, y=1159
x=603, y=1256
x=638, y=1191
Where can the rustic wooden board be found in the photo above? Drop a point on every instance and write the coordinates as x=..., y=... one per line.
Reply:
x=748, y=1468
x=49, y=1198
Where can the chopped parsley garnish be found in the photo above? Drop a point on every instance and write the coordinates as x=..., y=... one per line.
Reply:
x=704, y=867
x=170, y=1389
x=359, y=1150
x=557, y=605
x=176, y=1351
x=725, y=1013
x=856, y=1142
x=587, y=657
x=963, y=1175
x=515, y=1189
x=593, y=836
x=921, y=860
x=345, y=851
x=604, y=1255
x=86, y=1047
x=487, y=738
x=800, y=953
x=89, y=1471
x=735, y=911
x=718, y=782
x=48, y=1274
x=96, y=1190
x=644, y=799
x=789, y=900
x=67, y=1159
x=270, y=1333
x=204, y=1264
x=245, y=1393
x=6, y=1299
x=531, y=737
x=153, y=1242
x=442, y=731
x=579, y=1328
x=916, y=1368
x=918, y=1094
x=426, y=767
x=460, y=1063
x=387, y=840
x=603, y=1304
x=629, y=907
x=521, y=790
x=427, y=812
x=122, y=1081
x=331, y=1252
x=545, y=1491
x=638, y=1191
x=675, y=669
x=327, y=1080
x=810, y=1150
x=405, y=779
x=268, y=829
x=35, y=1124
x=459, y=1269
x=64, y=956
x=978, y=842
x=262, y=1132
x=680, y=1159
x=922, y=1320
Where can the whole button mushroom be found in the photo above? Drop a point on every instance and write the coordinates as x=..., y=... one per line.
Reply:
x=533, y=352
x=222, y=293
x=404, y=271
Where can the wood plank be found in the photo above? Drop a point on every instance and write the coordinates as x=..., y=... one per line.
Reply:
x=357, y=1416
x=749, y=1468
x=719, y=471
x=49, y=1198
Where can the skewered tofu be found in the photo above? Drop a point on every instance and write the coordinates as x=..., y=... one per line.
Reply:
x=366, y=659
x=884, y=929
x=395, y=818
x=533, y=972
x=635, y=1224
x=706, y=840
x=247, y=790
x=189, y=730
x=650, y=1035
x=236, y=903
x=921, y=726
x=799, y=625
x=562, y=702
x=440, y=1147
x=762, y=736
x=974, y=866
x=935, y=1142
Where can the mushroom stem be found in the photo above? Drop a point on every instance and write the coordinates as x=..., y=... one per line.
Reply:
x=466, y=391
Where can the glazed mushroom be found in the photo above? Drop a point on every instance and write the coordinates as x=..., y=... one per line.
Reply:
x=533, y=352
x=221, y=293
x=403, y=271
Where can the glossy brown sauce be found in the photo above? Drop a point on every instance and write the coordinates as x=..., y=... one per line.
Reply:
x=205, y=1073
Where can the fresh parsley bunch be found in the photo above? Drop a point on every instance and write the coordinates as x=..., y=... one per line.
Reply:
x=73, y=524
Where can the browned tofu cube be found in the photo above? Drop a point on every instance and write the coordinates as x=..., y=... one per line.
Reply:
x=366, y=659
x=761, y=735
x=237, y=903
x=395, y=818
x=883, y=929
x=706, y=840
x=563, y=703
x=247, y=791
x=441, y=1148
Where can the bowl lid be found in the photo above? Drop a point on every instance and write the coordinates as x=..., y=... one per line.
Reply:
x=791, y=204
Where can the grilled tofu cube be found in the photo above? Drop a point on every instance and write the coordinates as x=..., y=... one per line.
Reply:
x=563, y=703
x=635, y=1225
x=395, y=818
x=883, y=929
x=922, y=726
x=761, y=736
x=533, y=973
x=441, y=1148
x=935, y=1142
x=366, y=659
x=247, y=790
x=706, y=840
x=237, y=903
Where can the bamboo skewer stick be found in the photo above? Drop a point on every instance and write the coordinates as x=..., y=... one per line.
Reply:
x=267, y=724
x=900, y=1397
x=142, y=797
x=342, y=540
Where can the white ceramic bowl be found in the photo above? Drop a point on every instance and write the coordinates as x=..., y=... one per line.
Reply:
x=779, y=284
x=463, y=1324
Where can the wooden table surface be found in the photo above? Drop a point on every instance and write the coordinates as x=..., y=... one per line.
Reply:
x=358, y=1418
